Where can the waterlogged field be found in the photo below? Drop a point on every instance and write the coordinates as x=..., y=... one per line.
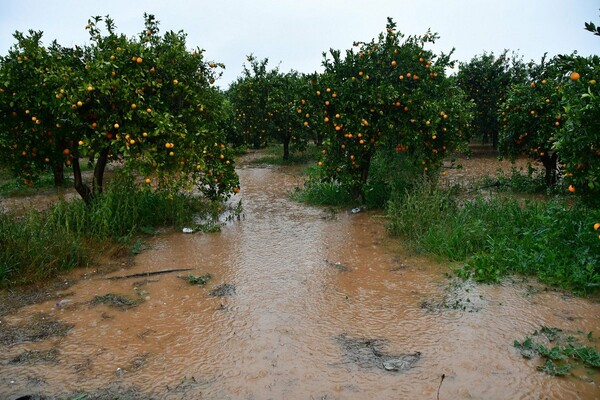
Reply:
x=295, y=302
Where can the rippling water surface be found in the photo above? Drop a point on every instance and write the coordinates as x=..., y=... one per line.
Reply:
x=304, y=278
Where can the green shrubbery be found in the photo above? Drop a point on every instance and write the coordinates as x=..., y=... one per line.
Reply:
x=38, y=245
x=501, y=235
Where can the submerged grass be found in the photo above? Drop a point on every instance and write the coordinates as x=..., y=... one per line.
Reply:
x=560, y=351
x=494, y=237
x=41, y=244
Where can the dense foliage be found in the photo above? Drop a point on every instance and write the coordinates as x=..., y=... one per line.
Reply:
x=486, y=79
x=554, y=119
x=390, y=94
x=146, y=103
x=268, y=106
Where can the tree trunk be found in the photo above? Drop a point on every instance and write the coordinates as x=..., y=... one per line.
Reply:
x=81, y=188
x=58, y=170
x=84, y=190
x=550, y=163
x=318, y=140
x=358, y=191
x=286, y=149
x=98, y=181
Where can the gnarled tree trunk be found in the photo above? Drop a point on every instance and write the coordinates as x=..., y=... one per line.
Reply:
x=84, y=190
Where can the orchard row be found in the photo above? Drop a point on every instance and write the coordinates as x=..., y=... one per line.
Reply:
x=150, y=104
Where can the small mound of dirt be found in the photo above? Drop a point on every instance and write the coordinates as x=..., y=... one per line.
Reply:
x=197, y=279
x=338, y=266
x=459, y=295
x=117, y=301
x=226, y=289
x=36, y=356
x=40, y=327
x=367, y=353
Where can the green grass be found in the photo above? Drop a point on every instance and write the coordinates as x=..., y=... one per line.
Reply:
x=15, y=188
x=11, y=186
x=39, y=245
x=322, y=192
x=498, y=236
x=274, y=156
x=326, y=193
x=560, y=351
x=531, y=181
x=32, y=249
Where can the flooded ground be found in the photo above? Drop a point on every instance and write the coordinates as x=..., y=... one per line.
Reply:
x=302, y=303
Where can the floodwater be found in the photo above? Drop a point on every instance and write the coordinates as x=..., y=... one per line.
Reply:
x=318, y=301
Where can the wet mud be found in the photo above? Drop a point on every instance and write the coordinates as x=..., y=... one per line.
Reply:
x=303, y=303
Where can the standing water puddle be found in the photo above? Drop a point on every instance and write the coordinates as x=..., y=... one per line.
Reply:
x=302, y=304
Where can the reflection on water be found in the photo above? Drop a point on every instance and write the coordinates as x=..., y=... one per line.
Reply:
x=302, y=280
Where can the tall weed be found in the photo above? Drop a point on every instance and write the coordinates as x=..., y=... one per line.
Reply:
x=501, y=235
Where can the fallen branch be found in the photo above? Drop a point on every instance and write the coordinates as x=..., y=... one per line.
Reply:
x=439, y=387
x=145, y=274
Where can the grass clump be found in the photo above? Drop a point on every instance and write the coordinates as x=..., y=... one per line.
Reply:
x=388, y=175
x=324, y=193
x=561, y=352
x=32, y=248
x=197, y=279
x=40, y=244
x=117, y=301
x=498, y=236
x=274, y=155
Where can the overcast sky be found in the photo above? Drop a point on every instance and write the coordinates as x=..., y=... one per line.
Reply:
x=293, y=34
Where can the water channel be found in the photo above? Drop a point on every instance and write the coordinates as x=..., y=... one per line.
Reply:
x=319, y=304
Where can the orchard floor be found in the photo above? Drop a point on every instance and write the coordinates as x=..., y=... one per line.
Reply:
x=304, y=303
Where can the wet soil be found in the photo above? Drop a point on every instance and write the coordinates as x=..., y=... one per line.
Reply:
x=303, y=303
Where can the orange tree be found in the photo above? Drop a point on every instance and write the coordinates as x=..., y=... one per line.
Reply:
x=249, y=95
x=578, y=142
x=269, y=106
x=554, y=119
x=286, y=111
x=146, y=103
x=486, y=80
x=389, y=96
x=29, y=100
x=531, y=117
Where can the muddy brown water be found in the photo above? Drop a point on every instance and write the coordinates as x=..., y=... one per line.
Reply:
x=318, y=301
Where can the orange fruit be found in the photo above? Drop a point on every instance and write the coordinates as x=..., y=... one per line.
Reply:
x=572, y=189
x=574, y=76
x=597, y=226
